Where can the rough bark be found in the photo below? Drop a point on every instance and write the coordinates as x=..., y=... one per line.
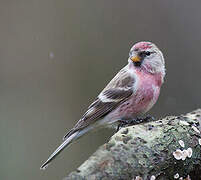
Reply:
x=148, y=151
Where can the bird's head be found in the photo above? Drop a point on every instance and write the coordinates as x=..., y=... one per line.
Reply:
x=146, y=56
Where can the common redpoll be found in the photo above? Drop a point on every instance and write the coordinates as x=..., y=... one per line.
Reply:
x=130, y=94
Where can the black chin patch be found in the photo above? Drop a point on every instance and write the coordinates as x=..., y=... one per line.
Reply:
x=137, y=64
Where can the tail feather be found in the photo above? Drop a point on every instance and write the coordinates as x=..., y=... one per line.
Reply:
x=68, y=134
x=66, y=142
x=69, y=138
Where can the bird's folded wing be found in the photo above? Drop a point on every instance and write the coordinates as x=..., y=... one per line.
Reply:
x=117, y=91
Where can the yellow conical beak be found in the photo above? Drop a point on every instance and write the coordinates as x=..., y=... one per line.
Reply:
x=135, y=58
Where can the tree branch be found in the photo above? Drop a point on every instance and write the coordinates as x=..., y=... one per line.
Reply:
x=164, y=149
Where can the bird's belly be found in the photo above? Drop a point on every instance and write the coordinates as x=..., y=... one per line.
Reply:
x=137, y=104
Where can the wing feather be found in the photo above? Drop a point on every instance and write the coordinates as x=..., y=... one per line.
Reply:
x=117, y=91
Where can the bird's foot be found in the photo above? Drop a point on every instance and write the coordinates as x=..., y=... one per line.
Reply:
x=129, y=122
x=148, y=118
x=122, y=123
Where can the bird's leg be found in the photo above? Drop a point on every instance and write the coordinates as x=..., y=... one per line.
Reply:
x=126, y=122
x=134, y=121
x=121, y=124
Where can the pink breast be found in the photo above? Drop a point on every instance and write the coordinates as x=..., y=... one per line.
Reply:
x=144, y=98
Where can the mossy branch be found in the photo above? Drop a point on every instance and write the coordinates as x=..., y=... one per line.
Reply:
x=169, y=148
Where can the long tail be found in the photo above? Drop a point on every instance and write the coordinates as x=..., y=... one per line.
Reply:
x=66, y=142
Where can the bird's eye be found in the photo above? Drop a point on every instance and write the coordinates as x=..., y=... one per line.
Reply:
x=147, y=53
x=143, y=54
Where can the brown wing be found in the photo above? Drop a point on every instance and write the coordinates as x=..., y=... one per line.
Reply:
x=116, y=92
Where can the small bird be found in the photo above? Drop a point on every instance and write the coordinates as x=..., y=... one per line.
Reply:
x=129, y=95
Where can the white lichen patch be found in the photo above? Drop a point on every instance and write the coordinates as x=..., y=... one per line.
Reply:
x=138, y=178
x=153, y=177
x=181, y=178
x=199, y=141
x=184, y=154
x=184, y=123
x=190, y=152
x=195, y=129
x=176, y=176
x=179, y=154
x=181, y=143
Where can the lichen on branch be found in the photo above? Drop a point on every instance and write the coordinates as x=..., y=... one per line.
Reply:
x=168, y=148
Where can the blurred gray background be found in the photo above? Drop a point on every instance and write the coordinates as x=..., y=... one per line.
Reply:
x=57, y=55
